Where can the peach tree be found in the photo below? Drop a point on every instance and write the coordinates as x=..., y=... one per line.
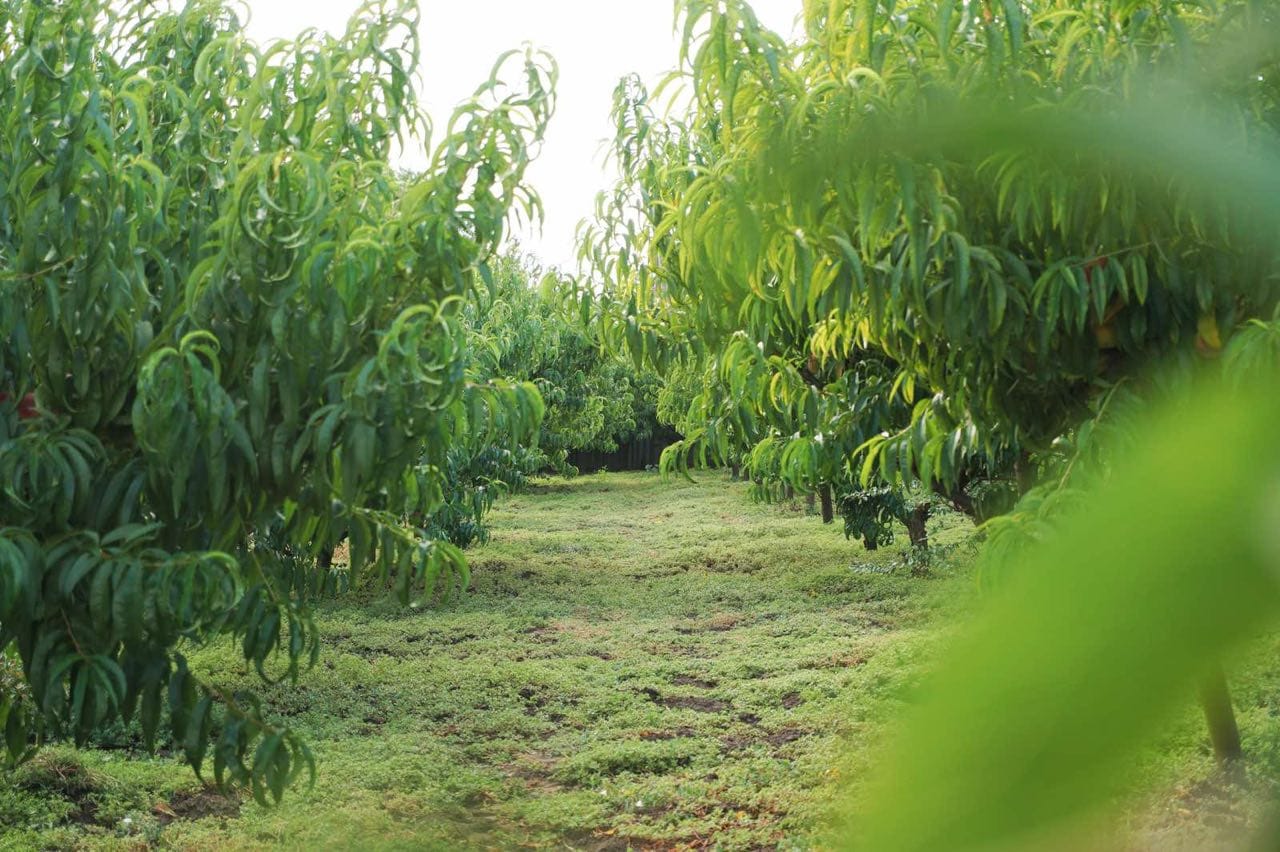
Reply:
x=240, y=326
x=526, y=328
x=939, y=189
x=825, y=207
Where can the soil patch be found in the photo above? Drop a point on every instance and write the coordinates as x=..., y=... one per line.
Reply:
x=786, y=735
x=197, y=804
x=686, y=702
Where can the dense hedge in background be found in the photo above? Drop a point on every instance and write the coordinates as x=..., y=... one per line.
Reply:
x=524, y=327
x=241, y=329
x=520, y=328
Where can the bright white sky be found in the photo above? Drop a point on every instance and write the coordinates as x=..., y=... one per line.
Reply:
x=596, y=42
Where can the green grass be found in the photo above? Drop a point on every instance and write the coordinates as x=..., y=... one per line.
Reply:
x=640, y=664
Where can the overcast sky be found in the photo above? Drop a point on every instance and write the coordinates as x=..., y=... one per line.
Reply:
x=595, y=42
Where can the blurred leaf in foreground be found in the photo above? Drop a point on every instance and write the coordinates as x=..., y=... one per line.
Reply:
x=1104, y=630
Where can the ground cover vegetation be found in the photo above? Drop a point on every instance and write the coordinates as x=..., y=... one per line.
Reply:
x=985, y=273
x=640, y=664
x=638, y=661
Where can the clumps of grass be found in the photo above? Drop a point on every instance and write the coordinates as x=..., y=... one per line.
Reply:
x=59, y=772
x=862, y=586
x=640, y=663
x=53, y=788
x=602, y=762
x=65, y=802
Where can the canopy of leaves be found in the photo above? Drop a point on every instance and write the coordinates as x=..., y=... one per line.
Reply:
x=242, y=331
x=1034, y=218
x=524, y=328
x=877, y=282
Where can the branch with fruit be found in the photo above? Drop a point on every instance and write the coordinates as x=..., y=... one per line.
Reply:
x=27, y=408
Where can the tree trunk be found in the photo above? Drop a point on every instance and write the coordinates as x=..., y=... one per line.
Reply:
x=960, y=500
x=828, y=508
x=325, y=561
x=1215, y=699
x=811, y=503
x=789, y=492
x=736, y=469
x=917, y=525
x=1025, y=473
x=870, y=543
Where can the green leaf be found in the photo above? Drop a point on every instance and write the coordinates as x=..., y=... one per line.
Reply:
x=1101, y=635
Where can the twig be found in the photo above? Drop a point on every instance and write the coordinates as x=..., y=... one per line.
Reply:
x=29, y=276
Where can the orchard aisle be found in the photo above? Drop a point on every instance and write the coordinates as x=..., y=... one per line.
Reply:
x=661, y=664
x=639, y=664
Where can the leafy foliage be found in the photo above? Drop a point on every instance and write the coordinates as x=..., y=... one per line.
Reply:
x=870, y=514
x=524, y=329
x=240, y=326
x=824, y=228
x=476, y=479
x=1087, y=649
x=518, y=329
x=1036, y=221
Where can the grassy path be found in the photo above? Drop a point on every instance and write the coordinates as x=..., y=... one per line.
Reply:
x=640, y=664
